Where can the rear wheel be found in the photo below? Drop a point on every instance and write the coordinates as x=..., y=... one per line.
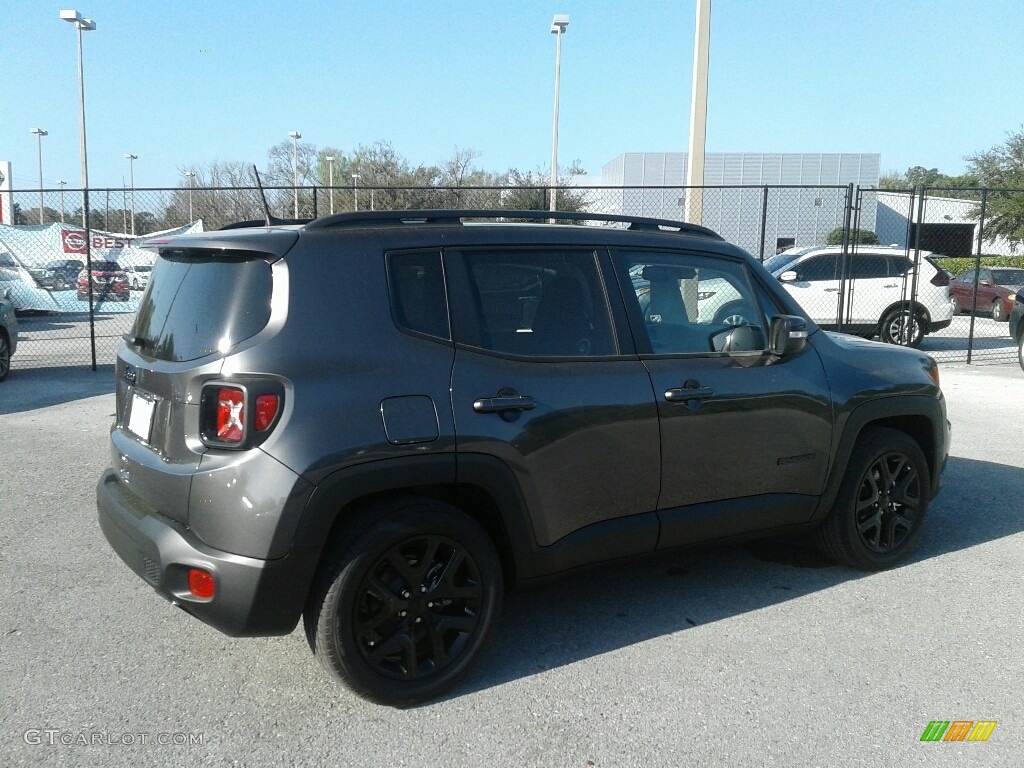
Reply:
x=997, y=311
x=406, y=601
x=5, y=355
x=902, y=326
x=1020, y=351
x=881, y=504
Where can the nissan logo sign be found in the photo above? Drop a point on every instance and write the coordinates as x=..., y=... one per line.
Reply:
x=74, y=242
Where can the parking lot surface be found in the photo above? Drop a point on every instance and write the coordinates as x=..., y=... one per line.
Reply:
x=755, y=654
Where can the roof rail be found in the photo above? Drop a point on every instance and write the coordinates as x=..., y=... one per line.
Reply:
x=458, y=216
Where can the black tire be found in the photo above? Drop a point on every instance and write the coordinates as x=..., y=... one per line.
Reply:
x=405, y=601
x=5, y=355
x=1020, y=351
x=881, y=504
x=997, y=311
x=897, y=323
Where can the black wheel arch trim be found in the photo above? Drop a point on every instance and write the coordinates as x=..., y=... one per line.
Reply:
x=922, y=417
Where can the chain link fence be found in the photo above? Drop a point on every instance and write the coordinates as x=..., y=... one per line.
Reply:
x=962, y=241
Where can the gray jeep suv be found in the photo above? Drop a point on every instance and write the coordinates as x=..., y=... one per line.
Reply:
x=380, y=421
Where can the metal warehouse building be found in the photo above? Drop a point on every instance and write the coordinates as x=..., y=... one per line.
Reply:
x=650, y=184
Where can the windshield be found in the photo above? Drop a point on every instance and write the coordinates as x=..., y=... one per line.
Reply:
x=198, y=304
x=775, y=263
x=1008, y=276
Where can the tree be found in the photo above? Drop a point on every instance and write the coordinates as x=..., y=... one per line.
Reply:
x=1002, y=168
x=919, y=176
x=857, y=236
x=529, y=192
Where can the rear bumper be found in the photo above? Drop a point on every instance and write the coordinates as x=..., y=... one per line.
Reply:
x=938, y=325
x=252, y=597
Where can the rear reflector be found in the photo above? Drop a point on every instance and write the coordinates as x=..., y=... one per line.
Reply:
x=230, y=415
x=266, y=410
x=200, y=583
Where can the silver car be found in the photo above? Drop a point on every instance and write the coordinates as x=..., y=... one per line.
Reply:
x=8, y=333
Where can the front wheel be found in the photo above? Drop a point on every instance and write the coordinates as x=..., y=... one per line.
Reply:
x=406, y=601
x=997, y=311
x=902, y=326
x=1020, y=351
x=881, y=504
x=5, y=356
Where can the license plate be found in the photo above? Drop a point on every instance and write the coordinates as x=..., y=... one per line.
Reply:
x=140, y=418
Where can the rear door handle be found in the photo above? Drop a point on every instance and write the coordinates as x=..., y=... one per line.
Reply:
x=831, y=290
x=504, y=402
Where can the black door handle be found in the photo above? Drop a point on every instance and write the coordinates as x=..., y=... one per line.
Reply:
x=504, y=402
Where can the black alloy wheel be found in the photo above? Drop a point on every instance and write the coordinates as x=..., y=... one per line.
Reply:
x=902, y=326
x=881, y=504
x=5, y=356
x=404, y=608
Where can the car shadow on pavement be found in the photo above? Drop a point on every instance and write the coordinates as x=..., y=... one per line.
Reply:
x=614, y=606
x=28, y=389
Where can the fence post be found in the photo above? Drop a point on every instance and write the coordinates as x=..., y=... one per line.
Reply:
x=88, y=275
x=977, y=273
x=764, y=218
x=844, y=256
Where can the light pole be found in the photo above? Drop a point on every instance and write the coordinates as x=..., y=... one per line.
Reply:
x=131, y=174
x=558, y=25
x=330, y=179
x=355, y=188
x=84, y=24
x=62, y=184
x=698, y=114
x=295, y=167
x=39, y=132
x=191, y=184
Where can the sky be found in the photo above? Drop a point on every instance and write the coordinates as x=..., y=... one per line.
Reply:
x=923, y=82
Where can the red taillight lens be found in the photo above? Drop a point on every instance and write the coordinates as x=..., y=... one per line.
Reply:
x=230, y=415
x=200, y=583
x=940, y=279
x=266, y=411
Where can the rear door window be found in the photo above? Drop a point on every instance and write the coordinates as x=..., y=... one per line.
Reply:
x=199, y=303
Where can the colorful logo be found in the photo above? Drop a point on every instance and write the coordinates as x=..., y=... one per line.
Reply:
x=959, y=730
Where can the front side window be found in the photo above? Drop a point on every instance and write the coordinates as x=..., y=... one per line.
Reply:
x=530, y=302
x=825, y=267
x=691, y=304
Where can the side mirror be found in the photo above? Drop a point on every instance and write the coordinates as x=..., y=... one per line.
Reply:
x=7, y=294
x=789, y=276
x=788, y=335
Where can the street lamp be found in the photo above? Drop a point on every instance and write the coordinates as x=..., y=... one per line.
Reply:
x=88, y=25
x=355, y=187
x=330, y=179
x=39, y=132
x=295, y=167
x=191, y=184
x=131, y=174
x=62, y=185
x=558, y=25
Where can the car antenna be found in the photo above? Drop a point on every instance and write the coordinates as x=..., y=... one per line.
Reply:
x=263, y=196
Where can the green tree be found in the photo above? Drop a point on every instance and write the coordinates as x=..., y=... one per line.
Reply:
x=1002, y=168
x=857, y=236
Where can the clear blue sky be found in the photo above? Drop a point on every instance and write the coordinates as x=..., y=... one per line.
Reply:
x=923, y=82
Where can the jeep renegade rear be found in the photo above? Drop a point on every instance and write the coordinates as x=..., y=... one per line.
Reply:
x=381, y=421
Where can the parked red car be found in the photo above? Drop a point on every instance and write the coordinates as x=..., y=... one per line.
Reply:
x=996, y=289
x=108, y=281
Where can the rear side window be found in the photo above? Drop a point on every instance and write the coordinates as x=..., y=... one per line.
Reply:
x=199, y=303
x=418, y=303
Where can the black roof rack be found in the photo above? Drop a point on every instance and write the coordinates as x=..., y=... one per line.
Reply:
x=459, y=216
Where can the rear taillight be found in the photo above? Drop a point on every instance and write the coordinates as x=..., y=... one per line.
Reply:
x=940, y=279
x=239, y=414
x=230, y=415
x=266, y=411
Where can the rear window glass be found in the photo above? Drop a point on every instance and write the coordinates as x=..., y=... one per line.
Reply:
x=199, y=303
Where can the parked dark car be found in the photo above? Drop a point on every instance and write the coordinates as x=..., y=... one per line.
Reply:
x=108, y=281
x=1016, y=325
x=996, y=288
x=58, y=275
x=8, y=332
x=377, y=422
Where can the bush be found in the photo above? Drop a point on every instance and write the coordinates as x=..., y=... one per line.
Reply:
x=858, y=236
x=957, y=266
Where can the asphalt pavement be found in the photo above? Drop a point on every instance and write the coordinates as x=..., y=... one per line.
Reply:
x=750, y=655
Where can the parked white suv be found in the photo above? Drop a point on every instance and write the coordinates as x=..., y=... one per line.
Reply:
x=880, y=297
